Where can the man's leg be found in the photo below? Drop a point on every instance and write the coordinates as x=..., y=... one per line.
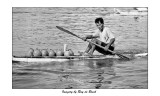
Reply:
x=88, y=48
x=102, y=51
x=94, y=46
x=91, y=48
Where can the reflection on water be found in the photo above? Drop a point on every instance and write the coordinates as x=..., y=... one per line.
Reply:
x=72, y=74
x=99, y=68
x=100, y=63
x=90, y=74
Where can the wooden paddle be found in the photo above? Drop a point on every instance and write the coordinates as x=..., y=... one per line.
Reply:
x=120, y=55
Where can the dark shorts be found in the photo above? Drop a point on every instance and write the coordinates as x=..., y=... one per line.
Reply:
x=102, y=51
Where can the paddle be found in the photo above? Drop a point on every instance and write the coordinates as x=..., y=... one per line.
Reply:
x=120, y=55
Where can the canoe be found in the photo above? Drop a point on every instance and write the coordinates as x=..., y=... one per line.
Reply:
x=60, y=58
x=68, y=58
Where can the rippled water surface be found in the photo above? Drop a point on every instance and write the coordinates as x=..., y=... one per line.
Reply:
x=35, y=28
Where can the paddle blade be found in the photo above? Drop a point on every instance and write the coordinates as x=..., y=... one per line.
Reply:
x=64, y=30
x=123, y=57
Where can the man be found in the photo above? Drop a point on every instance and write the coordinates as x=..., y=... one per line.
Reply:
x=102, y=36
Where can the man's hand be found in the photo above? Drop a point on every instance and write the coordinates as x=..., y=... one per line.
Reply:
x=84, y=38
x=106, y=48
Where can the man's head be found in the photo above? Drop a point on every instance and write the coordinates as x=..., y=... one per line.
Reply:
x=99, y=23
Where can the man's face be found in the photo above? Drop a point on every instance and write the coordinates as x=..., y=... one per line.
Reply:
x=99, y=26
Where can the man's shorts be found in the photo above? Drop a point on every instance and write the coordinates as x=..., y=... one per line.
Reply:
x=102, y=51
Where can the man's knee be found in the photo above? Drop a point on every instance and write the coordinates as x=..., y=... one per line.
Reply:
x=94, y=40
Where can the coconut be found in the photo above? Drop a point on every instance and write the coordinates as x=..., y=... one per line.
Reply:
x=60, y=53
x=30, y=53
x=37, y=53
x=67, y=53
x=51, y=53
x=44, y=52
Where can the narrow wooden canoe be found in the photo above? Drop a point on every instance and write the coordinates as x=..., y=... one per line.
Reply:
x=68, y=58
x=59, y=58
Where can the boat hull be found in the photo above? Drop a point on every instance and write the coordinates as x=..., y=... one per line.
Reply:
x=59, y=58
x=69, y=58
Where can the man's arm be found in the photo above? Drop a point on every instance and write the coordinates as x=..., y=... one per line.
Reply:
x=94, y=35
x=111, y=38
x=89, y=37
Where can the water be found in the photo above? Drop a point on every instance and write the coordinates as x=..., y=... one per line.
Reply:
x=89, y=74
x=35, y=28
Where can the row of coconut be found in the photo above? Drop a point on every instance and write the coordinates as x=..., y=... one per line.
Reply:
x=50, y=53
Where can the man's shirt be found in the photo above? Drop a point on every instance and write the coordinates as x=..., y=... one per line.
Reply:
x=105, y=36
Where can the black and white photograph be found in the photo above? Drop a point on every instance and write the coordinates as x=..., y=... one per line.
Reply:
x=80, y=48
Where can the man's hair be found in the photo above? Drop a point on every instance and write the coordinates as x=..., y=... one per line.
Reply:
x=99, y=20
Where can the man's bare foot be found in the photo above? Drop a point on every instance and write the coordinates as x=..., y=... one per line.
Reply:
x=80, y=53
x=84, y=54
